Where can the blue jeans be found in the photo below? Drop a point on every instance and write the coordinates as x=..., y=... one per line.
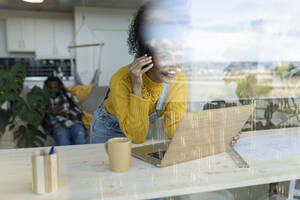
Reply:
x=105, y=126
x=63, y=135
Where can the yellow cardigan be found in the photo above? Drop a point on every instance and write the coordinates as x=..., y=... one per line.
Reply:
x=133, y=112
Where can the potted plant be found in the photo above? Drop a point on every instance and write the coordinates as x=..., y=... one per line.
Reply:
x=21, y=115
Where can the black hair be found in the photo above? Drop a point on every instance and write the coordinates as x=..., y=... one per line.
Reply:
x=62, y=88
x=139, y=25
x=136, y=40
x=54, y=79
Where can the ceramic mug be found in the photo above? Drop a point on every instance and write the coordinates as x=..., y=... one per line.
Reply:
x=119, y=153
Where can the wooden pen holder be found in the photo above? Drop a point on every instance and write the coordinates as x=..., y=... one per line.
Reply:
x=45, y=173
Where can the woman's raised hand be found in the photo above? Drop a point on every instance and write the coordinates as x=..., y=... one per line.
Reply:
x=137, y=68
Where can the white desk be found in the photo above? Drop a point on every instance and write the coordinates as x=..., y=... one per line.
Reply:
x=85, y=174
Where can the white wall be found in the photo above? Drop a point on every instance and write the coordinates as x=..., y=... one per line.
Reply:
x=109, y=26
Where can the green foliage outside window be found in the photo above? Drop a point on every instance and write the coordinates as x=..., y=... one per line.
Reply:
x=247, y=87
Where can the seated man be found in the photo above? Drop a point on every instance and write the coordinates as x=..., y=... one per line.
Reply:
x=63, y=118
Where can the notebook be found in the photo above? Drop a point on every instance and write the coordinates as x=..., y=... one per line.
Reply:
x=199, y=134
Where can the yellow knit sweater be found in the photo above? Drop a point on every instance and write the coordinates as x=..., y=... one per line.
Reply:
x=133, y=112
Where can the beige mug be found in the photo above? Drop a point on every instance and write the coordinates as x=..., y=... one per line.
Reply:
x=119, y=153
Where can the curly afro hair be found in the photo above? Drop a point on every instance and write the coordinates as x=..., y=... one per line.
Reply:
x=135, y=41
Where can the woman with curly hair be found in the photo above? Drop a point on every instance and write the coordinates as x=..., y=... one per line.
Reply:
x=148, y=88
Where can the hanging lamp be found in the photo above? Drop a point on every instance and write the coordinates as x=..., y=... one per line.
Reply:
x=34, y=1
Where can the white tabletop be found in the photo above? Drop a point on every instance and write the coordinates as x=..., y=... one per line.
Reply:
x=85, y=174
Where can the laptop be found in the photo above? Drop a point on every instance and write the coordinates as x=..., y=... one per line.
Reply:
x=199, y=134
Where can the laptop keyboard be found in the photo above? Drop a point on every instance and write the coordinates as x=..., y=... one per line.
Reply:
x=158, y=155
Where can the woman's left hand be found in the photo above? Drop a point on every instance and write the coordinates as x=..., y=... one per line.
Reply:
x=235, y=139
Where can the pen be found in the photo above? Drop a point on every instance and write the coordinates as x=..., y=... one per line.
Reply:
x=51, y=150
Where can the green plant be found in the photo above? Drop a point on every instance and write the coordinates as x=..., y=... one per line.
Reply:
x=247, y=87
x=30, y=109
x=289, y=105
x=282, y=70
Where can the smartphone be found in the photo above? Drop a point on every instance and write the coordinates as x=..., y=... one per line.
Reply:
x=148, y=54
